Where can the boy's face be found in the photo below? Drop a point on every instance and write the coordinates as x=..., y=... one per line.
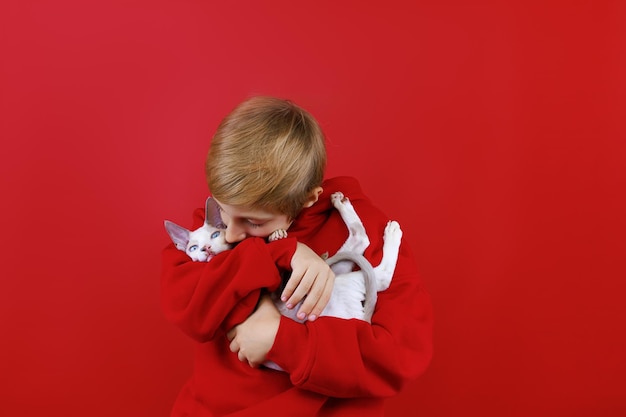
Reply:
x=242, y=222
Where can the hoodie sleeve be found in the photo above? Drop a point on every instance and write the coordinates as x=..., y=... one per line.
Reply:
x=203, y=298
x=353, y=358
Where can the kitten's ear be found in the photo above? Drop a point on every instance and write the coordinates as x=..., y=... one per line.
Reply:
x=178, y=234
x=212, y=214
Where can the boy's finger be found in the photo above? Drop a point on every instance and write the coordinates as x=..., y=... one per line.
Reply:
x=323, y=300
x=231, y=334
x=234, y=346
x=311, y=299
x=301, y=291
x=319, y=297
x=292, y=284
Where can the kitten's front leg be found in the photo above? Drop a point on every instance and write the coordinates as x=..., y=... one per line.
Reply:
x=391, y=248
x=357, y=237
x=357, y=240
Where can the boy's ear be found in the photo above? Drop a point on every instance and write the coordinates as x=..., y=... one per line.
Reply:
x=313, y=196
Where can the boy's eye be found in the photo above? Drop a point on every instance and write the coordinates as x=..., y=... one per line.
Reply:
x=193, y=248
x=254, y=225
x=215, y=235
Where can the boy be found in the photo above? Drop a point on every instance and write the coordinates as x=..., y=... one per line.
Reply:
x=265, y=170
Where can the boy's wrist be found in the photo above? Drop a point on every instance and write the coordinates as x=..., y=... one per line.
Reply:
x=291, y=337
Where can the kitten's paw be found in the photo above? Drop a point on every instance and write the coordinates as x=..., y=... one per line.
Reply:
x=393, y=231
x=277, y=235
x=338, y=199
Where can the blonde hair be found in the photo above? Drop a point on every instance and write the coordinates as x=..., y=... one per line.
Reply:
x=268, y=153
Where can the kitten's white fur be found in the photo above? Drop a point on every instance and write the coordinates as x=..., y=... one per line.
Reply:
x=201, y=244
x=354, y=293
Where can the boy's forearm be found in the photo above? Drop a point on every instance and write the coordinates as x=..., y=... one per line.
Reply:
x=206, y=298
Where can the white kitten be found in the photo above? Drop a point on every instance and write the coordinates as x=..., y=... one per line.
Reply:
x=206, y=241
x=201, y=244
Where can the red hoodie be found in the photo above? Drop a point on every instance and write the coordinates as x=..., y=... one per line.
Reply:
x=334, y=367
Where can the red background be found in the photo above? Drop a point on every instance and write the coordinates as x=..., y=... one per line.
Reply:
x=494, y=133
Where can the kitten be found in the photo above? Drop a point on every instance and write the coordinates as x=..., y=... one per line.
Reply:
x=354, y=292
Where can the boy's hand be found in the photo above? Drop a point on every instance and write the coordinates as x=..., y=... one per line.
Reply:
x=253, y=339
x=311, y=277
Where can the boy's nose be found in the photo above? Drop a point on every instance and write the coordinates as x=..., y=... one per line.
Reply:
x=234, y=234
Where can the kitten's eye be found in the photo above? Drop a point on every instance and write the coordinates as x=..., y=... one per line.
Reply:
x=215, y=235
x=193, y=248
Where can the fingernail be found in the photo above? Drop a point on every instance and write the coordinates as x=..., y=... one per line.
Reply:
x=283, y=298
x=312, y=317
x=301, y=316
x=290, y=306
